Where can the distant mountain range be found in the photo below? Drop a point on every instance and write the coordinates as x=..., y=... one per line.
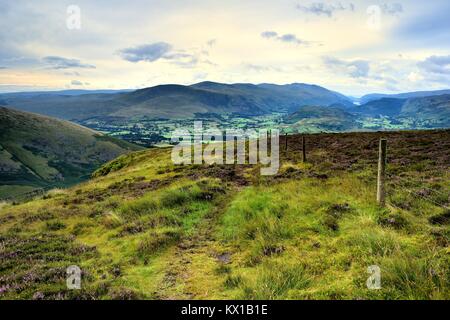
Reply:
x=69, y=92
x=117, y=112
x=387, y=113
x=177, y=101
x=41, y=152
x=407, y=95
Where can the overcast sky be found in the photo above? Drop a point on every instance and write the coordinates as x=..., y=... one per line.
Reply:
x=354, y=47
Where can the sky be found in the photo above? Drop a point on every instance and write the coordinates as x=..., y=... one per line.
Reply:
x=355, y=47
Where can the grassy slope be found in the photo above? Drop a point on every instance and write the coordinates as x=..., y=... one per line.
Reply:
x=317, y=118
x=39, y=151
x=144, y=228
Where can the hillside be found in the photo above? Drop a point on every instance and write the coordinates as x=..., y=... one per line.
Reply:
x=145, y=228
x=406, y=95
x=385, y=106
x=435, y=110
x=276, y=98
x=42, y=152
x=62, y=106
x=316, y=119
x=176, y=101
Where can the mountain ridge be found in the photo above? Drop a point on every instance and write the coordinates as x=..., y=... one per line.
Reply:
x=179, y=101
x=405, y=95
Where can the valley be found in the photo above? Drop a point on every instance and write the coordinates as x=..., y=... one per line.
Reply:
x=149, y=132
x=148, y=116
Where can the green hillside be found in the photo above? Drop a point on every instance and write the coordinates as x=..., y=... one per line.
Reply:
x=316, y=119
x=385, y=106
x=145, y=228
x=406, y=95
x=41, y=152
x=434, y=111
x=176, y=101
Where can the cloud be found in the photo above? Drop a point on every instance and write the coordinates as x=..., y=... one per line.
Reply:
x=326, y=9
x=185, y=60
x=428, y=27
x=288, y=38
x=354, y=68
x=415, y=77
x=261, y=68
x=72, y=73
x=392, y=9
x=1, y=68
x=76, y=83
x=146, y=52
x=55, y=62
x=164, y=51
x=436, y=65
x=269, y=34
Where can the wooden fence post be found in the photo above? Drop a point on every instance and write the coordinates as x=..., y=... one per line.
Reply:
x=285, y=144
x=304, y=148
x=381, y=190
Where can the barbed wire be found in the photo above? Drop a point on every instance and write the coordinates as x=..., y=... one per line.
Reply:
x=402, y=182
x=426, y=198
x=423, y=187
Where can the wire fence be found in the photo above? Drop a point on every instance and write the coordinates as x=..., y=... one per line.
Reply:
x=404, y=184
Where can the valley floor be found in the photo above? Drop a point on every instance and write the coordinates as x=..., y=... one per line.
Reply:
x=145, y=228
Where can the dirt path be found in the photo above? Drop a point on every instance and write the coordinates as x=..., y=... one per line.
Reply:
x=182, y=273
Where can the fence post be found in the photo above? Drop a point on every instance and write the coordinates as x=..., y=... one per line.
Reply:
x=304, y=148
x=381, y=191
x=285, y=144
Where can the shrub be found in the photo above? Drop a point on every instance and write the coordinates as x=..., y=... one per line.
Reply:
x=408, y=278
x=374, y=242
x=155, y=241
x=138, y=208
x=275, y=280
x=80, y=227
x=394, y=220
x=176, y=197
x=123, y=294
x=222, y=269
x=443, y=218
x=204, y=190
x=232, y=282
x=111, y=220
x=55, y=225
